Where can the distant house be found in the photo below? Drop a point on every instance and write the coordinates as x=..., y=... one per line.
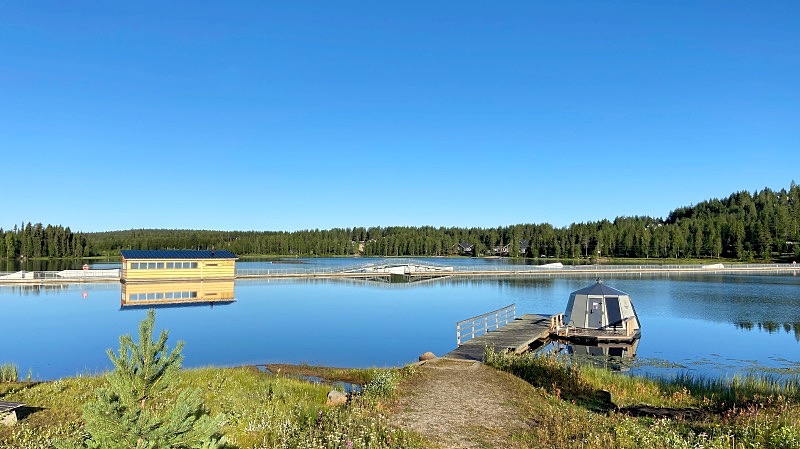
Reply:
x=169, y=265
x=466, y=249
x=523, y=247
x=500, y=250
x=504, y=250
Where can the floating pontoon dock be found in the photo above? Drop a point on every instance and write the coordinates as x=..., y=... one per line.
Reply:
x=501, y=330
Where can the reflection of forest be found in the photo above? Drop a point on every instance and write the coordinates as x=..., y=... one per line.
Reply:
x=732, y=299
x=11, y=265
x=770, y=326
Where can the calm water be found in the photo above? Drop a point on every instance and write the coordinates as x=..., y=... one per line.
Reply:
x=711, y=324
x=295, y=264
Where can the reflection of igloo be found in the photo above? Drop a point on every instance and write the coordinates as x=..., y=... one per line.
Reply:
x=616, y=356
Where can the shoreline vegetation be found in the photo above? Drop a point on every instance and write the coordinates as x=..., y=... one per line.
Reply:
x=565, y=406
x=759, y=226
x=552, y=403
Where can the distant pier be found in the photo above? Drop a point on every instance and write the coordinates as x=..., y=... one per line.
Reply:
x=411, y=270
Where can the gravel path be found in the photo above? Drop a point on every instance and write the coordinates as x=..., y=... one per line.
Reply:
x=460, y=404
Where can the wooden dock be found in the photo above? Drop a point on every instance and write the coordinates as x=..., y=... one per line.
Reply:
x=519, y=335
x=8, y=412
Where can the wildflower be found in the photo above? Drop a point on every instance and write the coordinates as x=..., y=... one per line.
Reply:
x=319, y=418
x=349, y=444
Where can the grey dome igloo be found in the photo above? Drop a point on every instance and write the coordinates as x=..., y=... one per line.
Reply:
x=601, y=307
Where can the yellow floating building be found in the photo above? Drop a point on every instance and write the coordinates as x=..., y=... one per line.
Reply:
x=177, y=265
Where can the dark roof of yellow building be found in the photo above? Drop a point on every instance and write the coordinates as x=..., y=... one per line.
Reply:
x=176, y=254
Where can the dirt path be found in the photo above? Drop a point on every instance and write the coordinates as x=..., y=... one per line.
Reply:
x=461, y=404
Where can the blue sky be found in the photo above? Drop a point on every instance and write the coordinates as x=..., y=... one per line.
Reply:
x=299, y=115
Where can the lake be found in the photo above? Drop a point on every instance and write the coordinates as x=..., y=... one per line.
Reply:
x=710, y=324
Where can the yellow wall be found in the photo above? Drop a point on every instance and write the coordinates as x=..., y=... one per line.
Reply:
x=176, y=292
x=206, y=269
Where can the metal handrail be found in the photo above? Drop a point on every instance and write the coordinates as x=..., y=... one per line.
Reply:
x=484, y=323
x=562, y=329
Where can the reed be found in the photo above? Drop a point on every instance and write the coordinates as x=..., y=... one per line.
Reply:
x=749, y=411
x=739, y=389
x=556, y=373
x=9, y=372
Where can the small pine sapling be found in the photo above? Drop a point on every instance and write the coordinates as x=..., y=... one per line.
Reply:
x=138, y=406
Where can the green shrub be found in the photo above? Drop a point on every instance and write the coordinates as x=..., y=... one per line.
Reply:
x=343, y=428
x=785, y=437
x=552, y=373
x=382, y=384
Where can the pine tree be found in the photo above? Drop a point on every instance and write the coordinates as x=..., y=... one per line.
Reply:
x=137, y=408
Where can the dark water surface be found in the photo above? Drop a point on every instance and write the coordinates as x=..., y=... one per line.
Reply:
x=711, y=324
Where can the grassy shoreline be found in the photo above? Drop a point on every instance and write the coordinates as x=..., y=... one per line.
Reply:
x=260, y=409
x=572, y=406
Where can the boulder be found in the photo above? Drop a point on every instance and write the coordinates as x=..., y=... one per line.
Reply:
x=427, y=356
x=336, y=398
x=9, y=419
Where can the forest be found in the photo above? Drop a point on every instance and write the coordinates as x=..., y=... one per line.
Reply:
x=759, y=226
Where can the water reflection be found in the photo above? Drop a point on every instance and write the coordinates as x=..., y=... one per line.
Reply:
x=176, y=294
x=438, y=282
x=55, y=289
x=733, y=298
x=400, y=279
x=13, y=265
x=688, y=321
x=613, y=355
x=770, y=327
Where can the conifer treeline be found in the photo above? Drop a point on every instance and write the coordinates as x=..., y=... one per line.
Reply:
x=34, y=240
x=763, y=225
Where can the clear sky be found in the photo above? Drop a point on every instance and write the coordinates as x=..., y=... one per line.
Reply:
x=294, y=115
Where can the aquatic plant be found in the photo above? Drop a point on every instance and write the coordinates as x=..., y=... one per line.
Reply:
x=738, y=389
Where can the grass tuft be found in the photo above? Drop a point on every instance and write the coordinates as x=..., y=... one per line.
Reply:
x=9, y=373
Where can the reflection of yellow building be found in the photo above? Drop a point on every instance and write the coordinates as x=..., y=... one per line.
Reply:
x=153, y=294
x=166, y=265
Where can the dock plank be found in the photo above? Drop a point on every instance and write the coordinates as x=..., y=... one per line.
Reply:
x=516, y=336
x=9, y=406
